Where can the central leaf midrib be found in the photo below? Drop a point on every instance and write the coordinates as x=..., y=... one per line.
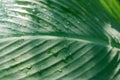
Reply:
x=57, y=35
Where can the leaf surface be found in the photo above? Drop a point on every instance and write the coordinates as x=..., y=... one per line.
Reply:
x=59, y=40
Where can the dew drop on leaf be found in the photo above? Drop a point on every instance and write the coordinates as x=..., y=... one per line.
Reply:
x=33, y=10
x=25, y=70
x=14, y=60
x=78, y=22
x=64, y=60
x=50, y=52
x=67, y=22
x=39, y=73
x=44, y=10
x=29, y=67
x=53, y=53
x=59, y=70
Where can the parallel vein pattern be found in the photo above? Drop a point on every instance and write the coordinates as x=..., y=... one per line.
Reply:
x=59, y=40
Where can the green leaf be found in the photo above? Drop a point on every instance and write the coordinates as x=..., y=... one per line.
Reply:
x=113, y=6
x=59, y=40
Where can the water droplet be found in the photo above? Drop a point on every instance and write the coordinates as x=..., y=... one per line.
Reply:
x=47, y=17
x=50, y=52
x=65, y=46
x=59, y=70
x=64, y=60
x=39, y=73
x=13, y=59
x=53, y=53
x=70, y=53
x=67, y=22
x=21, y=41
x=45, y=24
x=25, y=70
x=29, y=67
x=33, y=10
x=44, y=9
x=50, y=14
x=78, y=22
x=40, y=21
x=37, y=14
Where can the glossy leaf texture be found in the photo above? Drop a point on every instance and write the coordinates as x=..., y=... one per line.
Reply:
x=59, y=40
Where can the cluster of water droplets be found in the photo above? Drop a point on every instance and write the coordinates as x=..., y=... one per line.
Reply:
x=3, y=10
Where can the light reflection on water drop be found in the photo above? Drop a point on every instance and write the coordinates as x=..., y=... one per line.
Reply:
x=78, y=22
x=59, y=70
x=44, y=10
x=33, y=10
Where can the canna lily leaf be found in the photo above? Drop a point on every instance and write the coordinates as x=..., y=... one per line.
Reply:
x=59, y=40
